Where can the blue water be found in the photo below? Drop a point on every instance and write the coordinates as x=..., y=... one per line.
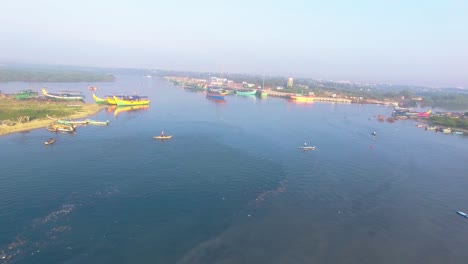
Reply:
x=231, y=186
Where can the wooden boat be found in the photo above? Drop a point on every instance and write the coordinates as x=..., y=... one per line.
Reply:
x=304, y=148
x=163, y=137
x=68, y=121
x=248, y=92
x=303, y=99
x=99, y=100
x=68, y=95
x=98, y=123
x=132, y=100
x=50, y=141
x=217, y=95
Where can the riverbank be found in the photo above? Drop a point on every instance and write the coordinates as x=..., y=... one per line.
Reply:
x=16, y=113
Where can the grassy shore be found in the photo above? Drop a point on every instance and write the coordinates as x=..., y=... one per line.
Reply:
x=14, y=114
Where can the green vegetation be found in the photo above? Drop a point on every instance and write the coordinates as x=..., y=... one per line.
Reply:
x=11, y=109
x=448, y=101
x=450, y=122
x=50, y=75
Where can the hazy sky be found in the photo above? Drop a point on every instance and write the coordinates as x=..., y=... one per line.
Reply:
x=407, y=42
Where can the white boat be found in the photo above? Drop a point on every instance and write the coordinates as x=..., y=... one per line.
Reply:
x=462, y=214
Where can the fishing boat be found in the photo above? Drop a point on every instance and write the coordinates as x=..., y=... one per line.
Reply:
x=50, y=141
x=25, y=94
x=66, y=95
x=61, y=128
x=462, y=214
x=307, y=148
x=248, y=92
x=99, y=100
x=263, y=94
x=132, y=100
x=302, y=99
x=97, y=123
x=216, y=94
x=163, y=137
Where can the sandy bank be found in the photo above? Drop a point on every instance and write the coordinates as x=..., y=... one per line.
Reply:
x=86, y=111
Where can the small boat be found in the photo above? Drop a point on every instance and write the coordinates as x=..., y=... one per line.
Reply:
x=462, y=214
x=92, y=88
x=98, y=123
x=50, y=141
x=68, y=95
x=163, y=137
x=457, y=133
x=217, y=95
x=431, y=128
x=307, y=148
x=131, y=100
x=374, y=133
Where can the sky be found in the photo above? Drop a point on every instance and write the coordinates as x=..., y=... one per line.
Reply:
x=417, y=42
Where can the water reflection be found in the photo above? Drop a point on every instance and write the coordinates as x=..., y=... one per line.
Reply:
x=216, y=100
x=121, y=109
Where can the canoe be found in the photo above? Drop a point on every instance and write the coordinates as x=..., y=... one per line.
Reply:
x=99, y=100
x=50, y=141
x=163, y=137
x=462, y=214
x=98, y=123
x=132, y=100
x=307, y=148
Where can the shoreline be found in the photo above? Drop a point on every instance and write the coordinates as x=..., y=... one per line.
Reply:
x=91, y=110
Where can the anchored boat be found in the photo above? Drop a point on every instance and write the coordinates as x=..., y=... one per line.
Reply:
x=248, y=92
x=131, y=100
x=302, y=99
x=99, y=100
x=98, y=123
x=68, y=95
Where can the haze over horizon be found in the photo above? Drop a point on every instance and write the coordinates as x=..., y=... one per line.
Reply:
x=404, y=42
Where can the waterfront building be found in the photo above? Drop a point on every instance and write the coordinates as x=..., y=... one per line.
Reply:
x=290, y=82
